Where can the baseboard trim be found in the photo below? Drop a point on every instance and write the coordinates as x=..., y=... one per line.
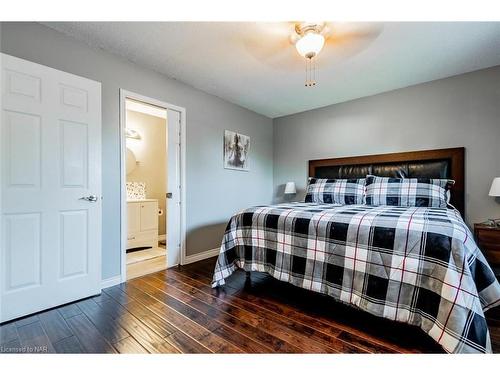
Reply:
x=112, y=281
x=200, y=256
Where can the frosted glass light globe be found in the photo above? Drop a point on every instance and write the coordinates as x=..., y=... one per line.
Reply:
x=310, y=44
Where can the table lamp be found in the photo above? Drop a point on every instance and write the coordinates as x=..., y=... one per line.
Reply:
x=494, y=192
x=290, y=189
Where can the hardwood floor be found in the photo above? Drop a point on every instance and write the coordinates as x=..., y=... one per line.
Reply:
x=176, y=311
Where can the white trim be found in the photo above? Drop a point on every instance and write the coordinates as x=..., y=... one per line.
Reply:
x=162, y=237
x=124, y=94
x=200, y=256
x=112, y=281
x=146, y=109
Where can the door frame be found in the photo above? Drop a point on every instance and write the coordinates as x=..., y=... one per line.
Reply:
x=124, y=95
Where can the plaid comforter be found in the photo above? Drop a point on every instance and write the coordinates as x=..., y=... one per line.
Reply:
x=416, y=265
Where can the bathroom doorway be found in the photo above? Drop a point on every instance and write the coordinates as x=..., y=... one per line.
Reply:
x=152, y=173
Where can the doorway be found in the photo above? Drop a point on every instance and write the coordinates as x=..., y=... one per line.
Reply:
x=152, y=185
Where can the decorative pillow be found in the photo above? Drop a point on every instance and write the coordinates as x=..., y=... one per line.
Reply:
x=337, y=191
x=407, y=192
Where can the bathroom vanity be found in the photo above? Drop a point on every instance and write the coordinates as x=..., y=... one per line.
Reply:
x=142, y=220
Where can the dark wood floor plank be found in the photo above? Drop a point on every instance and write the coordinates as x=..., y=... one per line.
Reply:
x=69, y=345
x=129, y=345
x=107, y=326
x=247, y=345
x=152, y=341
x=8, y=333
x=160, y=326
x=186, y=344
x=25, y=321
x=247, y=323
x=239, y=336
x=54, y=325
x=11, y=347
x=174, y=278
x=101, y=297
x=33, y=337
x=89, y=337
x=182, y=323
x=293, y=332
x=68, y=311
x=118, y=294
x=374, y=343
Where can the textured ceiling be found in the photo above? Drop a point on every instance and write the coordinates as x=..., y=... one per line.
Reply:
x=255, y=65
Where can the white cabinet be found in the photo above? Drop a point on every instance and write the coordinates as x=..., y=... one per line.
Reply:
x=142, y=219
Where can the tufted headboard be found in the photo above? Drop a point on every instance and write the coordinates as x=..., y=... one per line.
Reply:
x=442, y=163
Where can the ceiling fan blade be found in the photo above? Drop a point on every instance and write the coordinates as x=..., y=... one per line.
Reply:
x=344, y=32
x=272, y=43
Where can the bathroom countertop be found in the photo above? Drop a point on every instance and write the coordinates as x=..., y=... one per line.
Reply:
x=141, y=200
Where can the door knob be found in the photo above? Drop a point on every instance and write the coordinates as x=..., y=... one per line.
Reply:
x=169, y=195
x=90, y=198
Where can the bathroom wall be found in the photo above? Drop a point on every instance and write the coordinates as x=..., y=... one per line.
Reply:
x=151, y=155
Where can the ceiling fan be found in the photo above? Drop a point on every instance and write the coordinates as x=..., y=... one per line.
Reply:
x=309, y=41
x=286, y=45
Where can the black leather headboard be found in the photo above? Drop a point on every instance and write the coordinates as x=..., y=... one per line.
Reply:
x=442, y=163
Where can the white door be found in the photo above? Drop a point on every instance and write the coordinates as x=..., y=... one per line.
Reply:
x=173, y=188
x=50, y=188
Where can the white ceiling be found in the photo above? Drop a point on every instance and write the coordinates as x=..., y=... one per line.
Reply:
x=255, y=65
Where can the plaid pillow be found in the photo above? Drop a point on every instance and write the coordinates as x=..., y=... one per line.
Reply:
x=407, y=192
x=341, y=191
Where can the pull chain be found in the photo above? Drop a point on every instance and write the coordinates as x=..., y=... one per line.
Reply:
x=310, y=72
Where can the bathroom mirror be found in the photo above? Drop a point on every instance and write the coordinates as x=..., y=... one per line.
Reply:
x=131, y=161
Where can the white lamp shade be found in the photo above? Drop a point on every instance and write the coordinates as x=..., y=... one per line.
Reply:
x=310, y=44
x=290, y=188
x=495, y=188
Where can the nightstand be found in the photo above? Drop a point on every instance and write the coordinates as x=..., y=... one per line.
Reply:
x=488, y=240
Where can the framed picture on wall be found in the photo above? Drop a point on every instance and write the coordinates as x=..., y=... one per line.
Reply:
x=236, y=150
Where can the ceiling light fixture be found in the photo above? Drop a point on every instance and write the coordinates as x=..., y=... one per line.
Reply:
x=309, y=44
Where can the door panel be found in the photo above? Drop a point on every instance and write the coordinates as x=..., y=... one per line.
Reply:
x=74, y=146
x=74, y=97
x=73, y=247
x=23, y=154
x=173, y=182
x=50, y=159
x=22, y=240
x=19, y=83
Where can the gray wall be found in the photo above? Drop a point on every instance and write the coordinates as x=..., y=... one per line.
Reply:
x=213, y=193
x=458, y=111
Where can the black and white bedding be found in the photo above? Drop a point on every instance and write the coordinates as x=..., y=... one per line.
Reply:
x=417, y=265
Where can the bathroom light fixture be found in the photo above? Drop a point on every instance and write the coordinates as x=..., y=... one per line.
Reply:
x=309, y=44
x=131, y=133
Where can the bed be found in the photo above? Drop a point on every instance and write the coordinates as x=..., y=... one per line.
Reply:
x=417, y=265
